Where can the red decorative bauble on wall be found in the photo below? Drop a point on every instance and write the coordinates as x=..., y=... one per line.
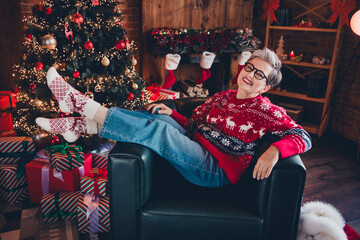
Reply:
x=39, y=66
x=130, y=96
x=119, y=45
x=48, y=11
x=88, y=45
x=76, y=74
x=77, y=18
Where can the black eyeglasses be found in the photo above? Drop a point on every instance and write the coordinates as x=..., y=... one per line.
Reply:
x=259, y=75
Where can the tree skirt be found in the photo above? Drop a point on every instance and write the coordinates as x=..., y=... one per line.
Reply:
x=351, y=234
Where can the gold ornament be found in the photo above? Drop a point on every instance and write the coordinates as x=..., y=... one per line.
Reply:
x=41, y=138
x=48, y=41
x=89, y=94
x=118, y=10
x=105, y=61
x=24, y=57
x=127, y=71
x=97, y=88
x=133, y=61
x=78, y=4
x=135, y=86
x=37, y=103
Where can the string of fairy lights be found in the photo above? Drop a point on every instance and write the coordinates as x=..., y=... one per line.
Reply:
x=42, y=49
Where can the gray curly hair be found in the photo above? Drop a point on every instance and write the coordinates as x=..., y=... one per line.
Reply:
x=271, y=58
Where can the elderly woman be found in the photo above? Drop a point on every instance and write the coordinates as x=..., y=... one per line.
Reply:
x=225, y=129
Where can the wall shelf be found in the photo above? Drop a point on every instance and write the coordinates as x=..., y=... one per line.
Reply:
x=305, y=29
x=297, y=96
x=306, y=64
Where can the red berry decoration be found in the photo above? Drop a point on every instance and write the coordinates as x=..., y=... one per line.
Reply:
x=39, y=66
x=48, y=11
x=130, y=96
x=32, y=87
x=76, y=74
x=119, y=45
x=77, y=18
x=54, y=140
x=88, y=45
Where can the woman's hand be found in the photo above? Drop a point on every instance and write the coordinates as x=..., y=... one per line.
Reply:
x=266, y=162
x=163, y=109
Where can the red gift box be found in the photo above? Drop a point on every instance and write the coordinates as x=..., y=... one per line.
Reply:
x=158, y=93
x=7, y=103
x=42, y=178
x=95, y=182
x=13, y=187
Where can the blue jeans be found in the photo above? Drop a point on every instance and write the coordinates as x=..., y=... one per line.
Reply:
x=165, y=136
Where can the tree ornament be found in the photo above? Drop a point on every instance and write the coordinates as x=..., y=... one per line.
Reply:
x=135, y=86
x=37, y=103
x=15, y=89
x=88, y=45
x=131, y=96
x=29, y=36
x=40, y=138
x=39, y=66
x=24, y=57
x=97, y=88
x=54, y=140
x=69, y=34
x=48, y=41
x=127, y=71
x=77, y=18
x=105, y=61
x=119, y=45
x=133, y=61
x=89, y=94
x=48, y=11
x=118, y=10
x=76, y=74
x=32, y=87
x=280, y=50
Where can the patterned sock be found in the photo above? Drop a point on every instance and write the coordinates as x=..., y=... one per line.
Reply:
x=70, y=99
x=71, y=128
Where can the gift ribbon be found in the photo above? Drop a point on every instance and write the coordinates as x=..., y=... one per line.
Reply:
x=92, y=203
x=269, y=6
x=66, y=149
x=57, y=212
x=342, y=8
x=10, y=190
x=155, y=90
x=102, y=173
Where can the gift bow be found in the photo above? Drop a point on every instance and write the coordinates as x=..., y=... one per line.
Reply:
x=270, y=6
x=100, y=173
x=155, y=90
x=65, y=149
x=342, y=8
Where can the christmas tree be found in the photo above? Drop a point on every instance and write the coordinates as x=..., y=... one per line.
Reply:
x=87, y=44
x=280, y=50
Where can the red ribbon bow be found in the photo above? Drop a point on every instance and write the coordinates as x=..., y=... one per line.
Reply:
x=342, y=8
x=155, y=90
x=100, y=173
x=270, y=6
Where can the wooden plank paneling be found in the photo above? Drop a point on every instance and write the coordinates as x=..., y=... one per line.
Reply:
x=198, y=14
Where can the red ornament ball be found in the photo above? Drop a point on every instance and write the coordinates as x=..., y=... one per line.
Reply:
x=130, y=96
x=77, y=18
x=29, y=36
x=39, y=66
x=76, y=74
x=48, y=11
x=119, y=45
x=88, y=45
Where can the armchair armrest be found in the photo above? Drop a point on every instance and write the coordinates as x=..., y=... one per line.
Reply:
x=130, y=168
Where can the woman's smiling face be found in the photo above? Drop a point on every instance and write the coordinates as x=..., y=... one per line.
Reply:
x=248, y=85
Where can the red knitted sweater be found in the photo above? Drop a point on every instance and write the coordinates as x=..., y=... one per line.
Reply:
x=230, y=129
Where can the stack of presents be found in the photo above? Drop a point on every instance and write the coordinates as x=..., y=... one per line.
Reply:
x=68, y=183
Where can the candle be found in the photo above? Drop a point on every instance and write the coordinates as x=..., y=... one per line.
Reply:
x=291, y=55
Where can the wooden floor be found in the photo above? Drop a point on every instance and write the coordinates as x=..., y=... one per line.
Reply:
x=333, y=176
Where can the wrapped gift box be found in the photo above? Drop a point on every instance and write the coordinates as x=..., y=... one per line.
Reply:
x=158, y=93
x=9, y=133
x=42, y=178
x=100, y=160
x=14, y=149
x=7, y=103
x=95, y=182
x=93, y=214
x=59, y=206
x=13, y=185
x=66, y=157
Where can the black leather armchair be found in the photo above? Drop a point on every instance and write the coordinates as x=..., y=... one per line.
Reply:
x=150, y=200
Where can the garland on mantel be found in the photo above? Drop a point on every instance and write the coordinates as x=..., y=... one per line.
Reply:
x=185, y=41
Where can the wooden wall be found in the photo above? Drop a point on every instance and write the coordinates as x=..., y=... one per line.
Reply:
x=198, y=14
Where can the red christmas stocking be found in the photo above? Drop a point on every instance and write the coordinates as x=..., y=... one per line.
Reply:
x=241, y=60
x=171, y=64
x=206, y=61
